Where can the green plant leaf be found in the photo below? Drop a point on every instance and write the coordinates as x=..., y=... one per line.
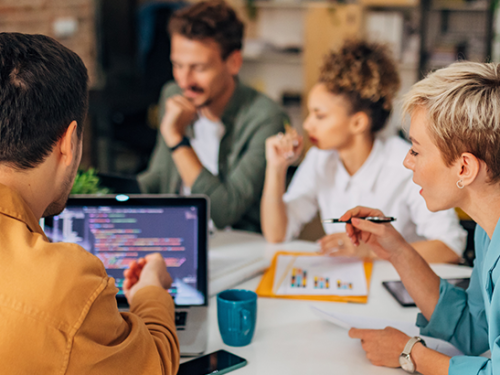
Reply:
x=88, y=183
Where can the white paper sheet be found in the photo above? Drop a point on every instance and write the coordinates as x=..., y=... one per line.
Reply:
x=348, y=321
x=319, y=275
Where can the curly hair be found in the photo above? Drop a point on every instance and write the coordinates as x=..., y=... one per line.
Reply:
x=209, y=19
x=366, y=76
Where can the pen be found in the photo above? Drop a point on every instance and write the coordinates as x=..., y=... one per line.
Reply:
x=373, y=219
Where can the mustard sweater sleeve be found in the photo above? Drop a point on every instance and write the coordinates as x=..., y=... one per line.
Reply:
x=143, y=341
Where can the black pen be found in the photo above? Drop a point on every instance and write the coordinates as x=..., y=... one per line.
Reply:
x=373, y=219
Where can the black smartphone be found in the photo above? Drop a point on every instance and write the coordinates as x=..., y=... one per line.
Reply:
x=219, y=362
x=399, y=292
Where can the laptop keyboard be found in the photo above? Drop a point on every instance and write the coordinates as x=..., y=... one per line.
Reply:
x=180, y=318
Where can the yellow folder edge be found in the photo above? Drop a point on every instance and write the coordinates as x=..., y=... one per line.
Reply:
x=265, y=288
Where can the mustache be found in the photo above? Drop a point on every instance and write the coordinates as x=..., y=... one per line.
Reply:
x=197, y=89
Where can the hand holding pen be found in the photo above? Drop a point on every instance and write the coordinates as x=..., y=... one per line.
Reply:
x=381, y=236
x=373, y=219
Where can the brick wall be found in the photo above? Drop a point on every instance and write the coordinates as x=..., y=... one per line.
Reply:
x=39, y=16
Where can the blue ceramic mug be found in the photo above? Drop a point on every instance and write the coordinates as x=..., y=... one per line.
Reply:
x=237, y=315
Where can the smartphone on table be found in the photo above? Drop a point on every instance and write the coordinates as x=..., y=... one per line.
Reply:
x=219, y=362
x=399, y=292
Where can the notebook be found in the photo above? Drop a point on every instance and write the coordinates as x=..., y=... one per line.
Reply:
x=120, y=228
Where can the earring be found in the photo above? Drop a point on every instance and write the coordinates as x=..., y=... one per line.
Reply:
x=459, y=182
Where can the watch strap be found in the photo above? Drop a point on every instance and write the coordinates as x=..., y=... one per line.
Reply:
x=411, y=342
x=405, y=359
x=183, y=143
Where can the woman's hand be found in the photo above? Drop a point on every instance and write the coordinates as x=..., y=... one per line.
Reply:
x=382, y=346
x=383, y=239
x=283, y=149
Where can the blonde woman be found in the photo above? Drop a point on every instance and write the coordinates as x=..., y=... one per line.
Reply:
x=455, y=159
x=348, y=164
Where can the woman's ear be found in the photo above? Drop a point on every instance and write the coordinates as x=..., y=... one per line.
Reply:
x=359, y=123
x=469, y=168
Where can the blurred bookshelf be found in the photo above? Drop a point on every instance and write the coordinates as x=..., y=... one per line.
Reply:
x=453, y=30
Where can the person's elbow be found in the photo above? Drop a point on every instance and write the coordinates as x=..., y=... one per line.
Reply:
x=273, y=236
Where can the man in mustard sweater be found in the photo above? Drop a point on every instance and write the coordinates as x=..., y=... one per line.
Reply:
x=58, y=313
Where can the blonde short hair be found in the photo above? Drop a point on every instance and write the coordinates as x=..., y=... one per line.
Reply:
x=462, y=103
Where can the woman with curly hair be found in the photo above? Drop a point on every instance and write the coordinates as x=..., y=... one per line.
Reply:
x=348, y=164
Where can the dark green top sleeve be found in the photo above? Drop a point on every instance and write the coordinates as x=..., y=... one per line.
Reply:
x=161, y=175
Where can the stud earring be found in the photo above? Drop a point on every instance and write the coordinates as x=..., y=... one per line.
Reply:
x=459, y=184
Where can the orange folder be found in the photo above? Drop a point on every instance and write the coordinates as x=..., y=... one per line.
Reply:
x=265, y=288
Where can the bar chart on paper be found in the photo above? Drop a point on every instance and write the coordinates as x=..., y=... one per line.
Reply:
x=319, y=275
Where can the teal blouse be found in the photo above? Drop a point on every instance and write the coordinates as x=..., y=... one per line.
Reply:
x=470, y=320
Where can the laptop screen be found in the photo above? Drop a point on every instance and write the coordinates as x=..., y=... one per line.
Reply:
x=120, y=229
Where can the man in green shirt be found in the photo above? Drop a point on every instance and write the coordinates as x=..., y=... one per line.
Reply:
x=213, y=128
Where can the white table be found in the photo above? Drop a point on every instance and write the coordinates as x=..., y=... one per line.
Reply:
x=290, y=339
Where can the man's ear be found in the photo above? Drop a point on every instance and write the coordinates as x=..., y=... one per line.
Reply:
x=469, y=168
x=68, y=144
x=359, y=123
x=234, y=62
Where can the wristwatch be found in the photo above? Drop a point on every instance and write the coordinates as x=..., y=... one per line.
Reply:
x=184, y=142
x=405, y=358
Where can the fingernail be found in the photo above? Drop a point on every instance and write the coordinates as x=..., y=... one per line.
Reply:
x=355, y=220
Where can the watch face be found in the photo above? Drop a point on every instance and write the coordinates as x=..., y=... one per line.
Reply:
x=406, y=363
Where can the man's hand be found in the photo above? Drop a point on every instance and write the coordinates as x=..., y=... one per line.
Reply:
x=133, y=273
x=382, y=346
x=179, y=113
x=150, y=271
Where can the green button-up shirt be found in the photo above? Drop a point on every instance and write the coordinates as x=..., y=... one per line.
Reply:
x=249, y=119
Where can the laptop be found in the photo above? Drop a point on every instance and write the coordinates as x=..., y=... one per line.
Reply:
x=120, y=228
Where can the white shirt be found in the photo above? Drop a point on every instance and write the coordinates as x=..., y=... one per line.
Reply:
x=205, y=143
x=322, y=183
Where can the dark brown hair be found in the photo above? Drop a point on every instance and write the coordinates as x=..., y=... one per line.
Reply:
x=43, y=88
x=209, y=19
x=366, y=76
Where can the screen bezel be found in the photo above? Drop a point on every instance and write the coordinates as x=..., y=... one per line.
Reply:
x=201, y=202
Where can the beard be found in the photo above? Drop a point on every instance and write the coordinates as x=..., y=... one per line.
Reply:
x=56, y=207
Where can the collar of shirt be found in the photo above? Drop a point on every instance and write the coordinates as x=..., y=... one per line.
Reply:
x=492, y=255
x=13, y=205
x=364, y=179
